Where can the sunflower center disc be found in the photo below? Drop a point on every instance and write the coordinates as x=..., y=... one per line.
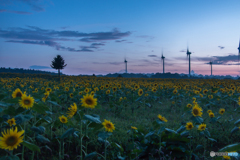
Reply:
x=195, y=112
x=108, y=125
x=26, y=101
x=11, y=141
x=89, y=101
x=18, y=94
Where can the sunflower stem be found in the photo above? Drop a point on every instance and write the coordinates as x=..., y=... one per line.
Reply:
x=105, y=152
x=62, y=143
x=23, y=140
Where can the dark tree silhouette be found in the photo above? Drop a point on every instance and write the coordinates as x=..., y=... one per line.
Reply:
x=58, y=63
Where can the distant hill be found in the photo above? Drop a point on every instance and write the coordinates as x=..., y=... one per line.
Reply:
x=28, y=71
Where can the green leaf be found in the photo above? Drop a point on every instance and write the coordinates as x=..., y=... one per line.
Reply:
x=231, y=147
x=40, y=108
x=31, y=146
x=235, y=129
x=95, y=126
x=54, y=103
x=206, y=132
x=2, y=104
x=10, y=111
x=90, y=155
x=197, y=119
x=67, y=133
x=170, y=130
x=13, y=157
x=199, y=147
x=19, y=110
x=211, y=139
x=182, y=128
x=104, y=135
x=149, y=134
x=118, y=146
x=92, y=118
x=237, y=122
x=39, y=130
x=185, y=133
x=42, y=139
x=14, y=100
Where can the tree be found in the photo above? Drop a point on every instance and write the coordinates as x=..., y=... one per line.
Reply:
x=58, y=63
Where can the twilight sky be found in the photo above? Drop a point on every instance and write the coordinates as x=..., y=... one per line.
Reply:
x=94, y=36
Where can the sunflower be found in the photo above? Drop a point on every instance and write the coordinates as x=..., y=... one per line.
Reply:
x=189, y=126
x=125, y=98
x=197, y=111
x=114, y=89
x=86, y=90
x=11, y=139
x=88, y=101
x=107, y=85
x=221, y=111
x=109, y=126
x=11, y=122
x=80, y=93
x=17, y=93
x=72, y=110
x=71, y=95
x=211, y=115
x=173, y=102
x=108, y=91
x=162, y=118
x=210, y=96
x=63, y=119
x=66, y=89
x=154, y=89
x=48, y=90
x=194, y=99
x=209, y=111
x=175, y=91
x=140, y=92
x=120, y=99
x=134, y=128
x=202, y=127
x=146, y=95
x=226, y=157
x=26, y=101
x=189, y=105
x=92, y=93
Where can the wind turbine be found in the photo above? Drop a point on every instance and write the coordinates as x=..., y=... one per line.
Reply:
x=163, y=61
x=188, y=54
x=238, y=53
x=211, y=66
x=125, y=61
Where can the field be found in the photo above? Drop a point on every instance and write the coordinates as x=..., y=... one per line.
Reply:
x=117, y=118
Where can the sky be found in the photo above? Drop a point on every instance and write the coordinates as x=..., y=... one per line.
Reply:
x=95, y=36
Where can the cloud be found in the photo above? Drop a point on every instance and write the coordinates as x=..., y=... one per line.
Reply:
x=17, y=12
x=145, y=36
x=152, y=55
x=100, y=36
x=48, y=43
x=39, y=67
x=36, y=35
x=120, y=40
x=221, y=47
x=220, y=60
x=111, y=63
x=34, y=4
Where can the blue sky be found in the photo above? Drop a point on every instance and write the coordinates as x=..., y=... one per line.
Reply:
x=94, y=36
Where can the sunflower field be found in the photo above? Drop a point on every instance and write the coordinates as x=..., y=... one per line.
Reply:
x=82, y=118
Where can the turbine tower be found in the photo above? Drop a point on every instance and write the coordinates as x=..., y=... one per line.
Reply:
x=238, y=51
x=125, y=65
x=211, y=66
x=163, y=61
x=188, y=54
